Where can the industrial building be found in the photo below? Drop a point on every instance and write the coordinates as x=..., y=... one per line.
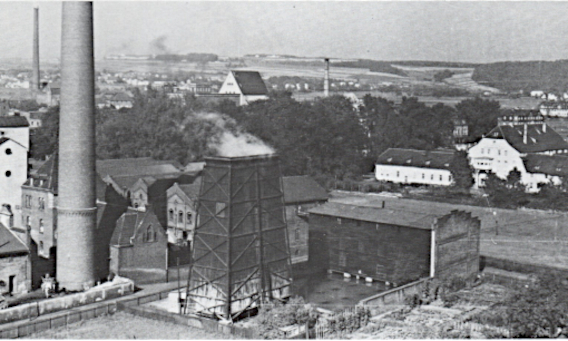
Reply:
x=396, y=244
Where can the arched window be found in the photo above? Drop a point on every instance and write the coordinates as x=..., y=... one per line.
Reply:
x=180, y=217
x=189, y=217
x=150, y=234
x=41, y=226
x=171, y=214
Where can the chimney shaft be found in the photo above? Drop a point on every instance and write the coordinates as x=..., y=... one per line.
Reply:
x=326, y=78
x=76, y=211
x=544, y=127
x=34, y=84
x=525, y=131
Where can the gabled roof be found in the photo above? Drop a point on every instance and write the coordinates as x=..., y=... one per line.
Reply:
x=10, y=244
x=302, y=189
x=129, y=223
x=137, y=166
x=192, y=190
x=438, y=159
x=250, y=82
x=13, y=122
x=394, y=216
x=537, y=140
x=546, y=164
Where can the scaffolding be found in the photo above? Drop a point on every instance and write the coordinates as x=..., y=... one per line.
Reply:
x=241, y=255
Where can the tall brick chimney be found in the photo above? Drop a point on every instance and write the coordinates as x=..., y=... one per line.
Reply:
x=326, y=78
x=76, y=211
x=34, y=84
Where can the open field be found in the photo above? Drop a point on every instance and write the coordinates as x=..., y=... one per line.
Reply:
x=528, y=236
x=125, y=326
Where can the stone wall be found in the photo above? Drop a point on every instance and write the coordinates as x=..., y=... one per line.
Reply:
x=19, y=267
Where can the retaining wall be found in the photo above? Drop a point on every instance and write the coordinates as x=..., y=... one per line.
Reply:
x=35, y=309
x=396, y=295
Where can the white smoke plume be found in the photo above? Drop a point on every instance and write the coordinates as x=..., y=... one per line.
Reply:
x=231, y=141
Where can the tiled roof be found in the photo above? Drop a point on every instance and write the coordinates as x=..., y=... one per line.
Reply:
x=13, y=121
x=137, y=166
x=545, y=164
x=10, y=244
x=388, y=215
x=250, y=82
x=129, y=223
x=416, y=158
x=302, y=189
x=192, y=190
x=537, y=140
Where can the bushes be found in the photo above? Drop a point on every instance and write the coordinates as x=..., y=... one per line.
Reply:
x=271, y=317
x=349, y=321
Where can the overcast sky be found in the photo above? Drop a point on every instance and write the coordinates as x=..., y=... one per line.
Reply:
x=483, y=31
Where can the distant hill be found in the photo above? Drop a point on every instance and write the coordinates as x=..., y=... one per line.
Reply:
x=373, y=65
x=531, y=75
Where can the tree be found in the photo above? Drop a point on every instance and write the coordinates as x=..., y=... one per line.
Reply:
x=462, y=173
x=480, y=115
x=44, y=141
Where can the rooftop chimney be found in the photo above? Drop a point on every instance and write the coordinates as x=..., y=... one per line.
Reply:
x=525, y=133
x=35, y=64
x=326, y=78
x=76, y=211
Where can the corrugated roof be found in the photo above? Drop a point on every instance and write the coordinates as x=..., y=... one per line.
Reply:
x=13, y=121
x=388, y=215
x=537, y=140
x=416, y=158
x=9, y=243
x=302, y=189
x=546, y=164
x=250, y=82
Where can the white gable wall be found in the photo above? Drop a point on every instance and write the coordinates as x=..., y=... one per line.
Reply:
x=13, y=174
x=230, y=86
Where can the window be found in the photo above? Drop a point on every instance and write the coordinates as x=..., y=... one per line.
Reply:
x=339, y=221
x=150, y=234
x=28, y=201
x=297, y=234
x=220, y=209
x=28, y=221
x=8, y=174
x=8, y=151
x=180, y=217
x=171, y=214
x=423, y=175
x=189, y=217
x=397, y=174
x=41, y=246
x=432, y=177
x=41, y=229
x=498, y=151
x=505, y=153
x=441, y=177
x=450, y=177
x=41, y=203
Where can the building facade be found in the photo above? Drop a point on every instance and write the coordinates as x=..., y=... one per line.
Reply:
x=248, y=84
x=182, y=216
x=411, y=166
x=15, y=266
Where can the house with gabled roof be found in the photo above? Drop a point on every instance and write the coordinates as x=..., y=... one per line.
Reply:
x=248, y=84
x=412, y=166
x=138, y=247
x=182, y=211
x=15, y=268
x=511, y=145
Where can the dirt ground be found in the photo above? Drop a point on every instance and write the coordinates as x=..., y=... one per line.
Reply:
x=126, y=326
x=530, y=236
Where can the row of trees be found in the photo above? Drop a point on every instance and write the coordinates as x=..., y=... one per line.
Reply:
x=327, y=137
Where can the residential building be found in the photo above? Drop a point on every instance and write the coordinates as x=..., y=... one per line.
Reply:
x=182, y=208
x=301, y=193
x=516, y=136
x=138, y=248
x=248, y=84
x=395, y=244
x=121, y=100
x=554, y=109
x=411, y=166
x=15, y=267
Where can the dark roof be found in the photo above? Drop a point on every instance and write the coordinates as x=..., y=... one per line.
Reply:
x=13, y=121
x=537, y=140
x=121, y=97
x=129, y=223
x=416, y=158
x=389, y=215
x=302, y=189
x=192, y=190
x=9, y=243
x=546, y=164
x=137, y=166
x=250, y=82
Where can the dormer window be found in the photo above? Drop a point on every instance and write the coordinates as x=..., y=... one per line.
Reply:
x=409, y=161
x=427, y=163
x=389, y=159
x=446, y=165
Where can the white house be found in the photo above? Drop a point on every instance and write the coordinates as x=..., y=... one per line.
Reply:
x=13, y=173
x=515, y=140
x=182, y=201
x=248, y=84
x=554, y=109
x=411, y=166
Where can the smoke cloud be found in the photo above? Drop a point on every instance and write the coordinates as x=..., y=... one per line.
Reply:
x=231, y=141
x=158, y=45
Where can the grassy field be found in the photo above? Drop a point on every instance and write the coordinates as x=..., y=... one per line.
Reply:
x=529, y=236
x=125, y=326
